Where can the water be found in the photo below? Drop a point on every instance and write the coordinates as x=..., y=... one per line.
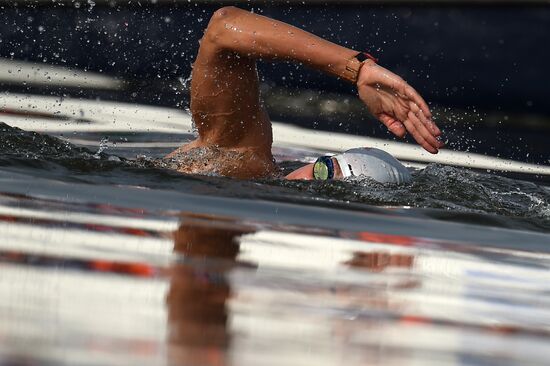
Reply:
x=110, y=261
x=463, y=194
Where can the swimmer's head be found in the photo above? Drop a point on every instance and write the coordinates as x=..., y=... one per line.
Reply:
x=369, y=162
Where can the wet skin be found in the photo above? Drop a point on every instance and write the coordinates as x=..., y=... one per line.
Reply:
x=225, y=97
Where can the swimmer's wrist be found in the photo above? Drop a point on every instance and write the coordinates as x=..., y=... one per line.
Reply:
x=364, y=72
x=354, y=65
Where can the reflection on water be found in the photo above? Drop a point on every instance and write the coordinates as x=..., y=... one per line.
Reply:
x=196, y=301
x=112, y=286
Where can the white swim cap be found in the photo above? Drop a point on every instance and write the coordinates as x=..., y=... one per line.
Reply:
x=374, y=163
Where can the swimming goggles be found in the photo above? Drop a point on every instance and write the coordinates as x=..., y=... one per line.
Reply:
x=323, y=168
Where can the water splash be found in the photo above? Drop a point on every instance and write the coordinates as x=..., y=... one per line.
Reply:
x=103, y=145
x=457, y=190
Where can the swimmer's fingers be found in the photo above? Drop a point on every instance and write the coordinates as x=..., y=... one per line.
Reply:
x=412, y=123
x=410, y=93
x=421, y=134
x=376, y=74
x=400, y=108
x=395, y=126
x=428, y=122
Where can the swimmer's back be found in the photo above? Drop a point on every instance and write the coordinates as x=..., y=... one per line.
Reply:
x=211, y=160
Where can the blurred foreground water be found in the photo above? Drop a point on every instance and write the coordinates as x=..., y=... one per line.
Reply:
x=109, y=261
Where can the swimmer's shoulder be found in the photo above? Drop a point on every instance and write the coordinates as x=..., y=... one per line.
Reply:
x=242, y=163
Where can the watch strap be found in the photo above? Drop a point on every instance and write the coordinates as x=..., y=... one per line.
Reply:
x=354, y=65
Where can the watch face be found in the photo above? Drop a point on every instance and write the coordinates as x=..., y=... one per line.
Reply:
x=361, y=57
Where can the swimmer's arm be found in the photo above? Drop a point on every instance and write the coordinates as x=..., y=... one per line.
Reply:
x=388, y=97
x=260, y=37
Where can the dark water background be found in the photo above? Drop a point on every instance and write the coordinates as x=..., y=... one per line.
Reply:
x=483, y=68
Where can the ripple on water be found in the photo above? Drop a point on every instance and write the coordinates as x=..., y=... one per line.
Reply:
x=456, y=190
x=444, y=187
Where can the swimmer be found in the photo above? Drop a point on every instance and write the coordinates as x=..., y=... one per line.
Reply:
x=235, y=135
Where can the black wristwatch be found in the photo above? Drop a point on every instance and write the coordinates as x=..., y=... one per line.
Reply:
x=355, y=63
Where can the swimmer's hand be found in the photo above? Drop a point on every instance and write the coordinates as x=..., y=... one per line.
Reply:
x=397, y=105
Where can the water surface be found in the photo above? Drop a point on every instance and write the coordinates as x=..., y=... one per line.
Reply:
x=111, y=261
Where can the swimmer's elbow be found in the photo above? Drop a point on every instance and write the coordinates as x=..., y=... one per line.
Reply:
x=225, y=13
x=216, y=33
